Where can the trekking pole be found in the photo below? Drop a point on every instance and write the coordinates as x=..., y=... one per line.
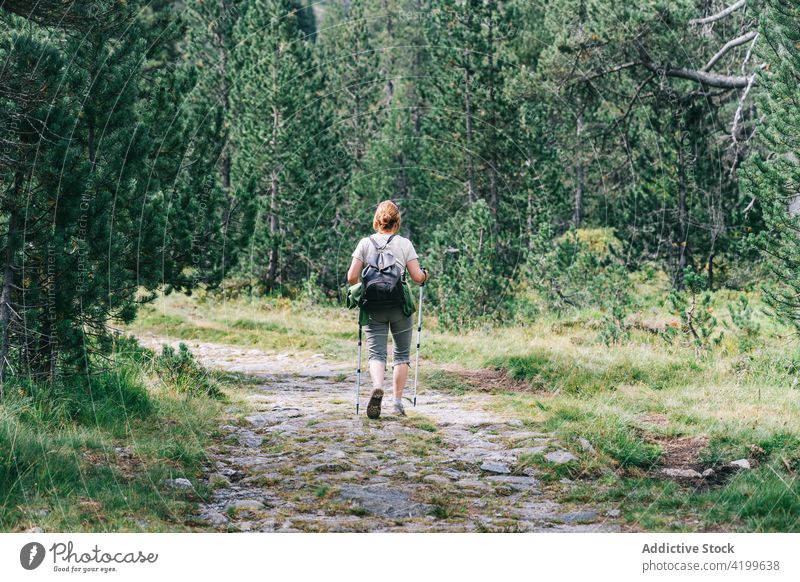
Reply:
x=419, y=333
x=358, y=367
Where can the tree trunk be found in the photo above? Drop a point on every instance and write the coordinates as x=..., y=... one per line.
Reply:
x=272, y=270
x=710, y=280
x=225, y=158
x=683, y=218
x=468, y=126
x=389, y=88
x=577, y=216
x=493, y=153
x=8, y=281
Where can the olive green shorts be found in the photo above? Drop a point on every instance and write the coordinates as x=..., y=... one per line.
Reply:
x=380, y=324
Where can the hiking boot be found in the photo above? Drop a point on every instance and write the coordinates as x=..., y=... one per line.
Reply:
x=374, y=406
x=398, y=408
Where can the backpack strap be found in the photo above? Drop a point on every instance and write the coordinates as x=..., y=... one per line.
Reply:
x=380, y=248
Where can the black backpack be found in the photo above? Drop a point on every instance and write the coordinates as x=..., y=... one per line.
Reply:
x=382, y=279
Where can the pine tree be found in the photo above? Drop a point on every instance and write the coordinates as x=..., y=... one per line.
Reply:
x=772, y=175
x=99, y=169
x=28, y=85
x=272, y=96
x=354, y=94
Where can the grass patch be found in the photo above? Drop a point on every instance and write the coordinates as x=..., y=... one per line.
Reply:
x=95, y=457
x=447, y=507
x=553, y=372
x=444, y=381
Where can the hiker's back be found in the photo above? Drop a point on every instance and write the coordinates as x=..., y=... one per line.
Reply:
x=382, y=276
x=400, y=247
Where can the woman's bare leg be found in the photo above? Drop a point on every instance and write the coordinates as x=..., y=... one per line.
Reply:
x=376, y=371
x=399, y=378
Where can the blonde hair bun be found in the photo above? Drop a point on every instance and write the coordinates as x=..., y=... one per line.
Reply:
x=387, y=217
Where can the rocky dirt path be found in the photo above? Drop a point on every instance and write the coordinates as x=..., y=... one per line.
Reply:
x=298, y=459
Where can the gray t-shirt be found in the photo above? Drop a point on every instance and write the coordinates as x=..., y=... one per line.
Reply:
x=400, y=247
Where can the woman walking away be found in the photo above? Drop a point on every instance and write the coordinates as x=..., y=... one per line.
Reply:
x=380, y=262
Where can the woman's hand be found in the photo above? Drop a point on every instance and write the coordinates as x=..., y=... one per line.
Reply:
x=418, y=275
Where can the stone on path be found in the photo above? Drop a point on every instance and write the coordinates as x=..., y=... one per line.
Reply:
x=495, y=467
x=560, y=457
x=517, y=483
x=436, y=479
x=213, y=517
x=578, y=516
x=474, y=484
x=249, y=439
x=384, y=501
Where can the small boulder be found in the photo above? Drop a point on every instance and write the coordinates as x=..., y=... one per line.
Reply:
x=585, y=445
x=179, y=483
x=739, y=464
x=613, y=513
x=708, y=473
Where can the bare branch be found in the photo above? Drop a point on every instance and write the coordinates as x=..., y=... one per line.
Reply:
x=738, y=113
x=738, y=41
x=719, y=15
x=704, y=77
x=749, y=53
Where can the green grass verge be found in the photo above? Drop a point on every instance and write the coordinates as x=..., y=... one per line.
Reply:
x=96, y=457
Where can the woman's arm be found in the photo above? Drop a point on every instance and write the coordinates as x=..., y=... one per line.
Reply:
x=417, y=274
x=355, y=271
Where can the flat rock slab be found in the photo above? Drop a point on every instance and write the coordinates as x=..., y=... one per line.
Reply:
x=249, y=439
x=274, y=416
x=517, y=483
x=384, y=501
x=560, y=457
x=539, y=510
x=495, y=467
x=578, y=516
x=472, y=484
